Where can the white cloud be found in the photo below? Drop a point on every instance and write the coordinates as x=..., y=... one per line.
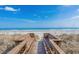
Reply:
x=10, y=9
x=75, y=17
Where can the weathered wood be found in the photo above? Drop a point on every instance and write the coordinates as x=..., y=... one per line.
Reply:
x=59, y=50
x=16, y=49
x=27, y=49
x=30, y=48
x=48, y=36
x=47, y=47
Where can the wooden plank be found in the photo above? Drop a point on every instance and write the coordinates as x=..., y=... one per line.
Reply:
x=30, y=39
x=16, y=49
x=21, y=45
x=27, y=49
x=48, y=46
x=30, y=48
x=57, y=47
x=45, y=47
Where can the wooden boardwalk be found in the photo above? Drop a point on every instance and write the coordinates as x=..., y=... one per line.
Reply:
x=49, y=44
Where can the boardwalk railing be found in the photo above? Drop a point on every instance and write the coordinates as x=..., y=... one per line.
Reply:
x=52, y=43
x=17, y=49
x=57, y=48
x=27, y=42
x=48, y=50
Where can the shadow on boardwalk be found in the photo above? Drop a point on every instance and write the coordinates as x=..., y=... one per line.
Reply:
x=41, y=49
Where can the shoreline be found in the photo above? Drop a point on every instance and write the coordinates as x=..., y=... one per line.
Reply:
x=55, y=32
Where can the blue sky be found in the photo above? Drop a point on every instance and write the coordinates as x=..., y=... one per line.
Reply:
x=39, y=16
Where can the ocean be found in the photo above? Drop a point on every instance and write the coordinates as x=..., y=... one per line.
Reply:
x=39, y=28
